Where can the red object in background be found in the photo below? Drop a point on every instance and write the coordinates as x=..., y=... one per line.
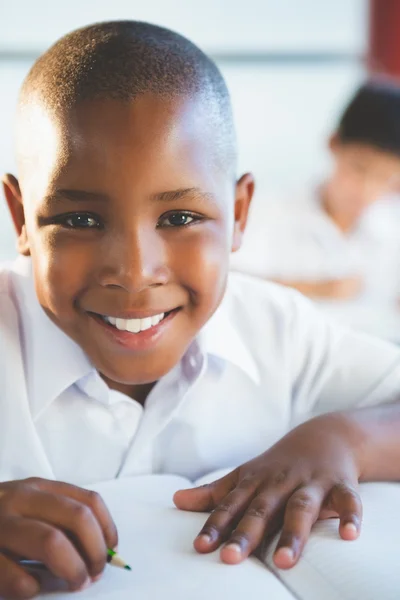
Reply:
x=384, y=37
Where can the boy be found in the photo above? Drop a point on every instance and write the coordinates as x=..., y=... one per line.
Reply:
x=125, y=349
x=337, y=241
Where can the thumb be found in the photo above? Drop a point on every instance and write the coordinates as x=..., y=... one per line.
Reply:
x=205, y=497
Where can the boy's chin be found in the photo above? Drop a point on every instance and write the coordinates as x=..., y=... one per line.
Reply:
x=126, y=378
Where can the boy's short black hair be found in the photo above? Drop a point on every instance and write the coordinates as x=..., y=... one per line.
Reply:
x=373, y=117
x=123, y=59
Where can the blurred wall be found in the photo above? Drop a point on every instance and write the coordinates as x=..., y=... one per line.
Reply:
x=289, y=65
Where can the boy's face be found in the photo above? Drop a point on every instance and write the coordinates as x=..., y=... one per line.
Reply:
x=129, y=221
x=362, y=175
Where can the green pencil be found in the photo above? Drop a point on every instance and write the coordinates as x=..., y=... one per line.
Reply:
x=114, y=559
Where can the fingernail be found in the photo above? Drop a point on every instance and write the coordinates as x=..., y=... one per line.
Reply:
x=233, y=547
x=286, y=553
x=85, y=584
x=351, y=527
x=204, y=537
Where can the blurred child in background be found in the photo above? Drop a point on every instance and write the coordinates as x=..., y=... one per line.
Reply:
x=340, y=240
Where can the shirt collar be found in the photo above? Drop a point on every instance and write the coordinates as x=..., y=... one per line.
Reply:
x=53, y=361
x=220, y=338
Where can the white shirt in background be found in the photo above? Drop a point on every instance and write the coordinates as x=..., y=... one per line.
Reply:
x=265, y=361
x=293, y=239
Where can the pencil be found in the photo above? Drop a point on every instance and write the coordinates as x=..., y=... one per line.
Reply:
x=114, y=559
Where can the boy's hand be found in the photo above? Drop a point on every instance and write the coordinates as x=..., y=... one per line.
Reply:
x=65, y=527
x=311, y=473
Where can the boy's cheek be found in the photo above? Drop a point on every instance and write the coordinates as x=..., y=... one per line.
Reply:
x=59, y=277
x=210, y=272
x=212, y=250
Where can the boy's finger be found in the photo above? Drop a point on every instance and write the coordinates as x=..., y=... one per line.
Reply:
x=205, y=497
x=92, y=499
x=36, y=540
x=346, y=501
x=225, y=516
x=76, y=519
x=15, y=582
x=301, y=512
x=261, y=515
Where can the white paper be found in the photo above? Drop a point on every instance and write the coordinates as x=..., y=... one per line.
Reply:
x=156, y=540
x=365, y=569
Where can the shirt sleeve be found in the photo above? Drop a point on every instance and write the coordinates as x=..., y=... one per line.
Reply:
x=335, y=368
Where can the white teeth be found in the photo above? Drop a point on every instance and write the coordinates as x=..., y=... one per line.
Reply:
x=145, y=323
x=155, y=320
x=135, y=325
x=120, y=324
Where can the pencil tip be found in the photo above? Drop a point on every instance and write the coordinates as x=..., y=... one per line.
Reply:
x=127, y=568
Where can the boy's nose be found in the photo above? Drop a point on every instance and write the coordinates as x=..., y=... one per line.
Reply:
x=134, y=262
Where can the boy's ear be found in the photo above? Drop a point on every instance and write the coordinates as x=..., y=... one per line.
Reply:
x=13, y=196
x=333, y=142
x=244, y=194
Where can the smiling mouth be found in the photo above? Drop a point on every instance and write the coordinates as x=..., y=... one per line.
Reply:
x=135, y=325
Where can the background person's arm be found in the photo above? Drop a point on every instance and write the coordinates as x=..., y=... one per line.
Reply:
x=339, y=289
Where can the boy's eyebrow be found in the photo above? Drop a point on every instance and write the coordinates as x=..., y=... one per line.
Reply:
x=180, y=194
x=169, y=196
x=75, y=195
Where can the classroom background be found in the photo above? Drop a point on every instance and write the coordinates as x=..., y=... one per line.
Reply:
x=290, y=67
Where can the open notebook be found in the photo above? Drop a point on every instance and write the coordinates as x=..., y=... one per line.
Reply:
x=156, y=540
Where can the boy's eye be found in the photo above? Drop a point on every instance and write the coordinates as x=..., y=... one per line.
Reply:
x=178, y=219
x=80, y=221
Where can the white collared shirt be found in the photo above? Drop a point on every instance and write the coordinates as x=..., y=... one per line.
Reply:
x=265, y=361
